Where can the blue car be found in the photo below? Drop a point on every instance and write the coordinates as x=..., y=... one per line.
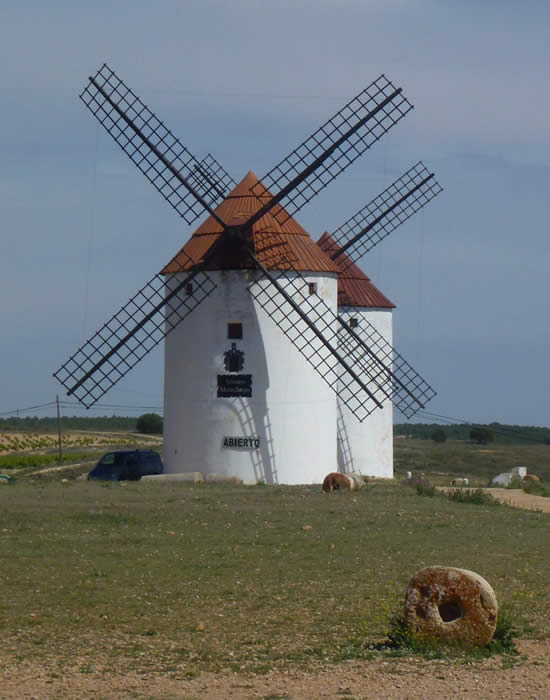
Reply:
x=127, y=465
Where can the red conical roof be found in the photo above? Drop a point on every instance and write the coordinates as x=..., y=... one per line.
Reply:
x=354, y=287
x=272, y=242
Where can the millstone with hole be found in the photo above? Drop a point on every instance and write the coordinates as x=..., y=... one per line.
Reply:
x=452, y=605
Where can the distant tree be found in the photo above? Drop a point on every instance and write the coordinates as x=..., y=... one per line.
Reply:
x=481, y=435
x=439, y=435
x=150, y=423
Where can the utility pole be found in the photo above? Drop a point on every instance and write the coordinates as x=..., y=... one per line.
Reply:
x=59, y=446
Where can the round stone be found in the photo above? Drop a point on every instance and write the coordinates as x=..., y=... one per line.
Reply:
x=452, y=605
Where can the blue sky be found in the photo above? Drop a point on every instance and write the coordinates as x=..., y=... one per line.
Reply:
x=81, y=228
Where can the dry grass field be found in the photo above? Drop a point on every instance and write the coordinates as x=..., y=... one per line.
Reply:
x=442, y=461
x=180, y=581
x=24, y=453
x=28, y=443
x=212, y=577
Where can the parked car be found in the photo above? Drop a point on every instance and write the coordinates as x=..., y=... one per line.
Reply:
x=127, y=465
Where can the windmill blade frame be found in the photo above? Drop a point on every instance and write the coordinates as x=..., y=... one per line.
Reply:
x=410, y=392
x=193, y=186
x=335, y=145
x=376, y=220
x=361, y=393
x=185, y=182
x=130, y=334
x=385, y=373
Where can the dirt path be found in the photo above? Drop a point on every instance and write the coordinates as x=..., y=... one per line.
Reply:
x=515, y=497
x=520, y=499
x=526, y=677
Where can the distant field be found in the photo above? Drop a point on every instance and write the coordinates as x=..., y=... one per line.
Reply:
x=25, y=452
x=31, y=442
x=184, y=578
x=463, y=458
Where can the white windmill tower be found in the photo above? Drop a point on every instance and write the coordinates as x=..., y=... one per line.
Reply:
x=240, y=382
x=231, y=374
x=364, y=447
x=367, y=447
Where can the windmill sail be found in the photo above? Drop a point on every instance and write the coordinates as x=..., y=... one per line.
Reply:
x=130, y=335
x=160, y=156
x=334, y=146
x=361, y=378
x=409, y=391
x=379, y=373
x=312, y=327
x=392, y=207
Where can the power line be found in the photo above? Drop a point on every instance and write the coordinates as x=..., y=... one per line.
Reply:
x=28, y=408
x=17, y=411
x=111, y=405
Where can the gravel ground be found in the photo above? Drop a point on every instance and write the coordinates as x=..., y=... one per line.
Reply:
x=526, y=677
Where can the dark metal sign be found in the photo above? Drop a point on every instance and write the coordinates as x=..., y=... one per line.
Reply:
x=234, y=385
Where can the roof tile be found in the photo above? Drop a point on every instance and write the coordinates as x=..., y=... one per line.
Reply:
x=274, y=244
x=354, y=287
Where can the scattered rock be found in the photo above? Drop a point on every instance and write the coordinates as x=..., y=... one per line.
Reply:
x=195, y=477
x=451, y=604
x=504, y=479
x=223, y=479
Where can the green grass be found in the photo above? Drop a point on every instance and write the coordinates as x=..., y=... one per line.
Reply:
x=185, y=578
x=15, y=461
x=478, y=497
x=402, y=641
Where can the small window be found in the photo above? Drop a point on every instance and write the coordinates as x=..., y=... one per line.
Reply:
x=235, y=331
x=108, y=459
x=312, y=288
x=353, y=323
x=189, y=289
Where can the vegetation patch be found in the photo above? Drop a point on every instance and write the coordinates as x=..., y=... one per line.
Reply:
x=500, y=432
x=403, y=641
x=478, y=497
x=535, y=488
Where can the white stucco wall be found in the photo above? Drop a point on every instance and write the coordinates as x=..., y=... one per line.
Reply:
x=367, y=447
x=292, y=410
